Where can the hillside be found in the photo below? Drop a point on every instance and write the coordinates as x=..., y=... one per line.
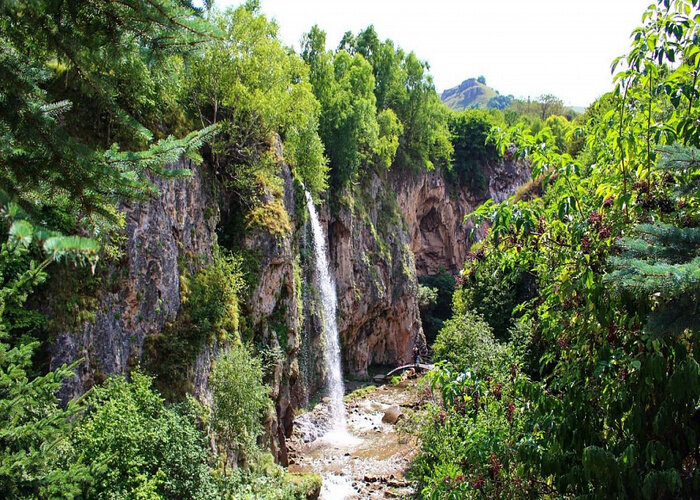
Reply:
x=212, y=248
x=469, y=94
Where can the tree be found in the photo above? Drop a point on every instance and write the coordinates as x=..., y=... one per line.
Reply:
x=240, y=398
x=355, y=133
x=660, y=263
x=550, y=105
x=612, y=246
x=425, y=140
x=34, y=427
x=466, y=341
x=255, y=89
x=402, y=85
x=470, y=130
x=500, y=102
x=561, y=129
x=82, y=83
x=139, y=447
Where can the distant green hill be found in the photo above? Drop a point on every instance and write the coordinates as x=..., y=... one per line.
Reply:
x=469, y=94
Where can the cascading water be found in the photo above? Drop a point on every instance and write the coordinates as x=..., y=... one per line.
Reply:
x=326, y=287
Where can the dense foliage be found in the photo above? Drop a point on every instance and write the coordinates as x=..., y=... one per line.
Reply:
x=253, y=88
x=378, y=106
x=611, y=247
x=140, y=448
x=34, y=426
x=239, y=400
x=469, y=130
x=435, y=302
x=82, y=82
x=208, y=313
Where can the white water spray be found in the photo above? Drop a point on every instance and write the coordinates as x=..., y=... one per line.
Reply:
x=326, y=287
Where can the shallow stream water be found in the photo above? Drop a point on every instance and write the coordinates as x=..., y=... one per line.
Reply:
x=370, y=460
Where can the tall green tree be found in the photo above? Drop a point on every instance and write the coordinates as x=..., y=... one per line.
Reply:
x=254, y=89
x=83, y=83
x=355, y=134
x=35, y=454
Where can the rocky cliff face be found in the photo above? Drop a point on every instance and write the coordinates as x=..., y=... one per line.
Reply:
x=163, y=235
x=376, y=280
x=274, y=310
x=374, y=233
x=144, y=286
x=434, y=212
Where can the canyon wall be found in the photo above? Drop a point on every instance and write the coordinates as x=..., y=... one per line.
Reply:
x=378, y=314
x=140, y=293
x=383, y=232
x=434, y=211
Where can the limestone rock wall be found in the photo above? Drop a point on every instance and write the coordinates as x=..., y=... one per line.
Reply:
x=434, y=212
x=275, y=311
x=376, y=282
x=146, y=294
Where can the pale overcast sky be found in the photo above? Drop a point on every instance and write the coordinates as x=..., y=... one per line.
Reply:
x=522, y=47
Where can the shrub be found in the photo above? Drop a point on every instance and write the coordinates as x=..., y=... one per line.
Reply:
x=209, y=312
x=240, y=399
x=494, y=289
x=140, y=448
x=467, y=342
x=470, y=130
x=265, y=479
x=474, y=436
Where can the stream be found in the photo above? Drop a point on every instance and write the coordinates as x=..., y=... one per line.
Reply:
x=370, y=460
x=351, y=441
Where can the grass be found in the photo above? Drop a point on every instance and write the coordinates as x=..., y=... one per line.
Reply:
x=361, y=392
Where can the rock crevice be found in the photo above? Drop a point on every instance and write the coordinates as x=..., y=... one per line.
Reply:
x=434, y=212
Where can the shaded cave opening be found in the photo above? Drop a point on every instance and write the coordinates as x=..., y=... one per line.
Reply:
x=435, y=293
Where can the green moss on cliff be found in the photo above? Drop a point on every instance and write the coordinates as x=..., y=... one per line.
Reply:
x=209, y=312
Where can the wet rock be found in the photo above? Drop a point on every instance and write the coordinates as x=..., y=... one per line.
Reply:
x=392, y=415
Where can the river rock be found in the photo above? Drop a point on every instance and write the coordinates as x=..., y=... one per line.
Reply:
x=392, y=415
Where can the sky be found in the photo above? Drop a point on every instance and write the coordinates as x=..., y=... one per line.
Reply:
x=522, y=47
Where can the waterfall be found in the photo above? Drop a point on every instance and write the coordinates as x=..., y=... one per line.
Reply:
x=326, y=287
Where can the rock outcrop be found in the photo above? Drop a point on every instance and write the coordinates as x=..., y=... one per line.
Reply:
x=434, y=212
x=378, y=314
x=145, y=291
x=471, y=93
x=274, y=309
x=163, y=234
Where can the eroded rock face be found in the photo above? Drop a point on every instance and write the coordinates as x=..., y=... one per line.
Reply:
x=378, y=314
x=434, y=212
x=179, y=226
x=180, y=221
x=274, y=308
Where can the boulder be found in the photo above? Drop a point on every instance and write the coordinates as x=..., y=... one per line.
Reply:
x=392, y=415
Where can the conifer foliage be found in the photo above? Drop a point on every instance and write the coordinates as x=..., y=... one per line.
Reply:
x=80, y=86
